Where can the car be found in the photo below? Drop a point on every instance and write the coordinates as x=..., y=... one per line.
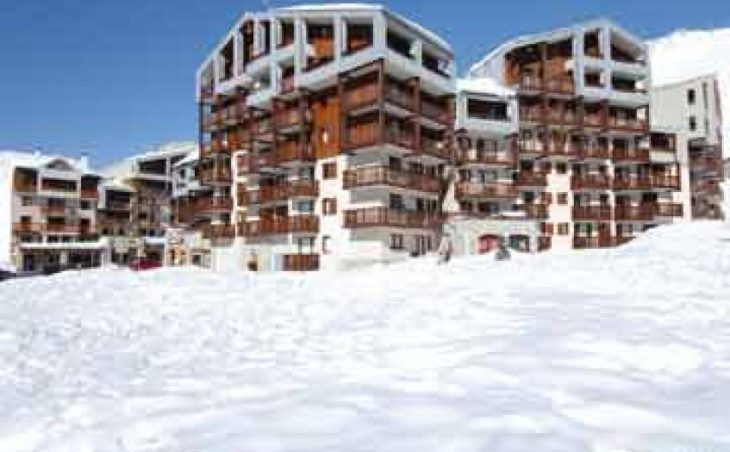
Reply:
x=142, y=264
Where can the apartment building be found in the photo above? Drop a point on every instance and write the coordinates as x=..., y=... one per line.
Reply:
x=587, y=164
x=692, y=110
x=48, y=218
x=135, y=202
x=326, y=133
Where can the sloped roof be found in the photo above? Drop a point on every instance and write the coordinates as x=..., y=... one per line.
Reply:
x=484, y=85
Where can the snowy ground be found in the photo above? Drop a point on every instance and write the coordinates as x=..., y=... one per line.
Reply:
x=618, y=350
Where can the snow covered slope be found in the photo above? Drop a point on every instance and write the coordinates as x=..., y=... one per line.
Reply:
x=609, y=350
x=687, y=54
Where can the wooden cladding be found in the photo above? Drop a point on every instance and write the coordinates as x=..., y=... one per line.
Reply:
x=279, y=225
x=300, y=262
x=395, y=218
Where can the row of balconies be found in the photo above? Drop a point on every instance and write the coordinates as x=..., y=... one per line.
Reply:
x=579, y=150
x=369, y=134
x=383, y=175
x=279, y=225
x=56, y=228
x=569, y=117
x=303, y=188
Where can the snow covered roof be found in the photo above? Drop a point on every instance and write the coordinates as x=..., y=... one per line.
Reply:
x=483, y=85
x=555, y=34
x=127, y=166
x=192, y=157
x=36, y=160
x=325, y=7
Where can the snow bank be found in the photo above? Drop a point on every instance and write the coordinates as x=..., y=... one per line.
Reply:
x=606, y=350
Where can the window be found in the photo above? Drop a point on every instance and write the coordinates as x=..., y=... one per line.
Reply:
x=329, y=170
x=562, y=198
x=692, y=123
x=305, y=206
x=85, y=205
x=546, y=228
x=705, y=97
x=305, y=245
x=691, y=96
x=561, y=168
x=563, y=228
x=396, y=241
x=396, y=201
x=27, y=201
x=546, y=197
x=329, y=206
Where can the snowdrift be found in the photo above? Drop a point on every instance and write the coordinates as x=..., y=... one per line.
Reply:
x=608, y=350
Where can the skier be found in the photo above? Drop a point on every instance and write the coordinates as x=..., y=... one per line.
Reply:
x=502, y=252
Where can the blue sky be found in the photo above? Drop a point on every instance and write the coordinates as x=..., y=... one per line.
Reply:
x=114, y=77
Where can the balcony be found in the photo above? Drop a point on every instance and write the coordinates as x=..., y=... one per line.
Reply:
x=361, y=96
x=395, y=218
x=292, y=151
x=559, y=116
x=595, y=120
x=214, y=147
x=288, y=118
x=581, y=182
x=562, y=149
x=214, y=204
x=61, y=228
x=560, y=85
x=399, y=95
x=532, y=147
x=280, y=225
x=89, y=193
x=644, y=183
x=486, y=157
x=435, y=111
x=595, y=242
x=301, y=262
x=493, y=190
x=530, y=82
x=385, y=176
x=303, y=188
x=27, y=227
x=631, y=155
x=628, y=124
x=56, y=210
x=531, y=179
x=595, y=151
x=215, y=176
x=532, y=114
x=362, y=135
x=435, y=147
x=117, y=205
x=535, y=211
x=592, y=213
x=218, y=231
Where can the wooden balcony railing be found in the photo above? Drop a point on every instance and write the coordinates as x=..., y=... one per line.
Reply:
x=215, y=176
x=560, y=85
x=595, y=242
x=592, y=213
x=536, y=147
x=219, y=231
x=465, y=190
x=362, y=135
x=562, y=149
x=385, y=217
x=531, y=179
x=630, y=124
x=27, y=227
x=435, y=147
x=487, y=157
x=117, y=205
x=631, y=155
x=293, y=151
x=303, y=188
x=89, y=193
x=530, y=82
x=595, y=120
x=437, y=112
x=301, y=262
x=646, y=182
x=535, y=211
x=590, y=182
x=383, y=175
x=213, y=204
x=596, y=151
x=400, y=95
x=288, y=117
x=361, y=96
x=533, y=114
x=280, y=225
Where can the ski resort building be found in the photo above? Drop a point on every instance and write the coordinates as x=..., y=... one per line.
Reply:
x=134, y=204
x=692, y=110
x=48, y=217
x=586, y=163
x=326, y=132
